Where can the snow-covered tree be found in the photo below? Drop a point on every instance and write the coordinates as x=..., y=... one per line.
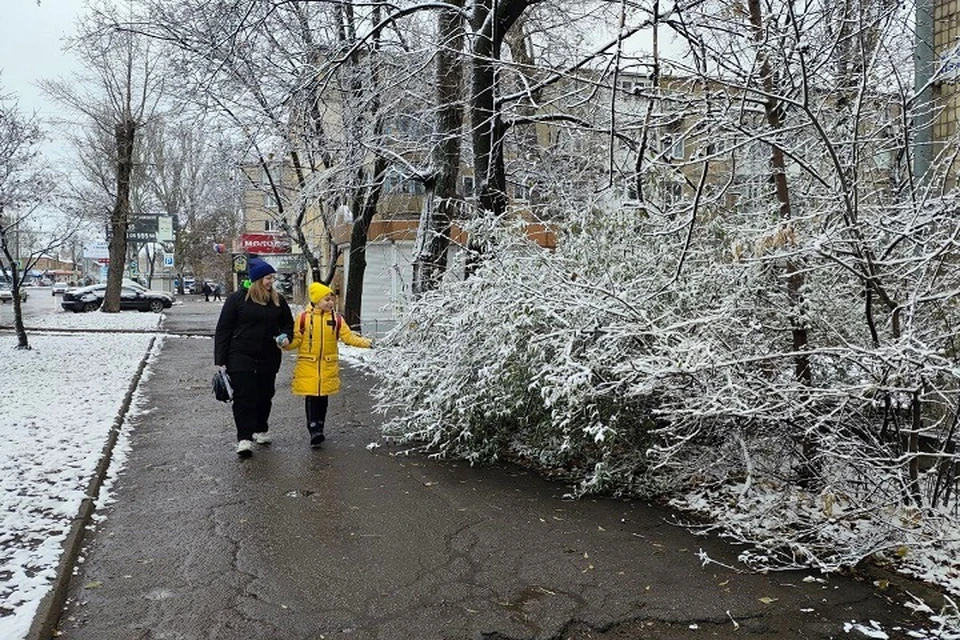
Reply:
x=116, y=94
x=25, y=187
x=191, y=172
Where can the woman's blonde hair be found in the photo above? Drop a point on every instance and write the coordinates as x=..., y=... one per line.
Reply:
x=261, y=294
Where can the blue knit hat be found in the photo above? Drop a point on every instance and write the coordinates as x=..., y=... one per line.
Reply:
x=257, y=268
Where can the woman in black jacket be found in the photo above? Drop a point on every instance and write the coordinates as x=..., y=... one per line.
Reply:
x=253, y=324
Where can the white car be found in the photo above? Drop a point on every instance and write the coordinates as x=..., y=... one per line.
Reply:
x=58, y=287
x=6, y=293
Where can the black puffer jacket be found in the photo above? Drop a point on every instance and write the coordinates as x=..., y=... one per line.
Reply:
x=247, y=332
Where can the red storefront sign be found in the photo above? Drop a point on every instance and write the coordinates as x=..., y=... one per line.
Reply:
x=264, y=243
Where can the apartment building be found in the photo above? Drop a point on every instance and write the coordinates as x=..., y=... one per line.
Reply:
x=946, y=38
x=272, y=196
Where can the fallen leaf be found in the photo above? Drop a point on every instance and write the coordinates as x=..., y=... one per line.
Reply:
x=96, y=584
x=768, y=600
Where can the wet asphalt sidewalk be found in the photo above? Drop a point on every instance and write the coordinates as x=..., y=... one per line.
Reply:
x=346, y=542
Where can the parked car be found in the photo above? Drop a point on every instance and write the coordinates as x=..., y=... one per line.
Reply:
x=91, y=298
x=6, y=293
x=58, y=287
x=133, y=284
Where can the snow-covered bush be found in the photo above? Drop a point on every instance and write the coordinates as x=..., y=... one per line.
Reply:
x=777, y=319
x=636, y=360
x=503, y=362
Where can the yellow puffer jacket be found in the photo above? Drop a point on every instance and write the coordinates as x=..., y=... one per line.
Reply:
x=317, y=372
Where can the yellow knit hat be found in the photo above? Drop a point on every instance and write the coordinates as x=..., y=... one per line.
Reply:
x=318, y=291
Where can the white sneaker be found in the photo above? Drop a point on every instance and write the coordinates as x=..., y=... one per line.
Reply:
x=262, y=437
x=244, y=448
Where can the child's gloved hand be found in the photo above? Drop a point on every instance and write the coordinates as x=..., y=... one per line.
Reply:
x=282, y=340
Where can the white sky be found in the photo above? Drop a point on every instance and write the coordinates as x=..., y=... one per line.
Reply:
x=31, y=49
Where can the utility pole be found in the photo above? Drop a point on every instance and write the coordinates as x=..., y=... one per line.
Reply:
x=923, y=107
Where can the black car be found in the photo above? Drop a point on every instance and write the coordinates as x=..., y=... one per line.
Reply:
x=90, y=298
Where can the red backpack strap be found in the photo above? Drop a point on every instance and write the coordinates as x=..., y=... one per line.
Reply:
x=339, y=319
x=303, y=321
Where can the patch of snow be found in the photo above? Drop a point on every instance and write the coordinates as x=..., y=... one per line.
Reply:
x=96, y=321
x=872, y=631
x=46, y=464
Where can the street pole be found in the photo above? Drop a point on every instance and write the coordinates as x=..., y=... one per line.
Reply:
x=923, y=107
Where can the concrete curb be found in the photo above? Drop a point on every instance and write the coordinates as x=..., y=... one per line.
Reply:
x=48, y=613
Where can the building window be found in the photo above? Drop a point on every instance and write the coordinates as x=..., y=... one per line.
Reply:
x=269, y=200
x=396, y=182
x=269, y=225
x=714, y=147
x=521, y=192
x=676, y=193
x=633, y=86
x=468, y=186
x=672, y=145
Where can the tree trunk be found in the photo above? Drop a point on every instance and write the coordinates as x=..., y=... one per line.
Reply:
x=488, y=130
x=124, y=133
x=368, y=197
x=22, y=342
x=358, y=247
x=441, y=201
x=487, y=127
x=795, y=278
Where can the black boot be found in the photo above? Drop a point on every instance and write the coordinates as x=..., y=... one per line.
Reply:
x=316, y=433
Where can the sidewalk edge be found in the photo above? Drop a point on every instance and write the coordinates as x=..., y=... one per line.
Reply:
x=48, y=613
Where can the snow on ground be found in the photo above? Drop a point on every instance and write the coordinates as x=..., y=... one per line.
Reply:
x=740, y=515
x=58, y=403
x=95, y=321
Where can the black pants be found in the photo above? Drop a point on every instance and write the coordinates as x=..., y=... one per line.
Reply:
x=252, y=400
x=316, y=407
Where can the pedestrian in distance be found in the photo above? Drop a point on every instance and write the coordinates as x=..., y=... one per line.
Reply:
x=253, y=323
x=316, y=375
x=206, y=292
x=216, y=292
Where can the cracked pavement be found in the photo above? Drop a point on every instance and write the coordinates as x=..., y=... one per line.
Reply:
x=342, y=542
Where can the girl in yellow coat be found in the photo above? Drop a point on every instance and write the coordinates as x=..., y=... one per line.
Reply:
x=316, y=375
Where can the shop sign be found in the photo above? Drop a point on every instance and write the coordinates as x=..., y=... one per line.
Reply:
x=290, y=263
x=264, y=243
